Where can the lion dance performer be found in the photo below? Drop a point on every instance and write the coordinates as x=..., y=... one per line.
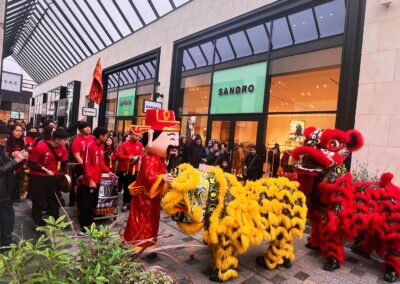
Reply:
x=368, y=211
x=160, y=132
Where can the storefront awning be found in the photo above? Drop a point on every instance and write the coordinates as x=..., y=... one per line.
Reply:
x=47, y=37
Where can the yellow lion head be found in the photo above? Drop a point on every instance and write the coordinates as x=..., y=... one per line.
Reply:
x=186, y=200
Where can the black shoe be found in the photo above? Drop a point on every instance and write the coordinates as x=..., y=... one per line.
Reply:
x=310, y=246
x=331, y=264
x=286, y=263
x=215, y=278
x=260, y=261
x=390, y=274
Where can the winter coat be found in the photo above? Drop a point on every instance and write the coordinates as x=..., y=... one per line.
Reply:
x=7, y=167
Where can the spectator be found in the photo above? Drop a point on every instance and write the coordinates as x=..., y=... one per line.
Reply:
x=209, y=146
x=225, y=166
x=15, y=144
x=47, y=161
x=197, y=152
x=7, y=167
x=10, y=122
x=183, y=149
x=213, y=158
x=93, y=167
x=110, y=155
x=252, y=165
x=129, y=154
x=78, y=149
x=31, y=136
x=173, y=158
x=225, y=155
x=274, y=157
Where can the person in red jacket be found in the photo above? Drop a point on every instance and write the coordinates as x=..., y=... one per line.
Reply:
x=31, y=135
x=78, y=149
x=93, y=167
x=47, y=160
x=160, y=132
x=129, y=154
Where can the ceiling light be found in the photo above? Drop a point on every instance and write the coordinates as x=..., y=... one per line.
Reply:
x=308, y=93
x=302, y=94
x=330, y=14
x=325, y=86
x=279, y=82
x=317, y=86
x=311, y=106
x=294, y=25
x=321, y=17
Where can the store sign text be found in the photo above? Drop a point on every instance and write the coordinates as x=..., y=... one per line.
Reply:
x=245, y=89
x=11, y=82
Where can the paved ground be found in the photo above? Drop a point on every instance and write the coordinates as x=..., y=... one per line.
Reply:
x=306, y=268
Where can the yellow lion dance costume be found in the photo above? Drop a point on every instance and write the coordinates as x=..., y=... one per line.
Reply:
x=235, y=217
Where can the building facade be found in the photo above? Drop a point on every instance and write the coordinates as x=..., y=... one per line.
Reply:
x=252, y=72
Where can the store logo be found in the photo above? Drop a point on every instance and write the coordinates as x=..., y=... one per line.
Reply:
x=125, y=103
x=236, y=90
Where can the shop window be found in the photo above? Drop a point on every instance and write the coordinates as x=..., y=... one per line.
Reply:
x=196, y=94
x=287, y=130
x=280, y=33
x=197, y=56
x=193, y=125
x=331, y=17
x=224, y=49
x=188, y=62
x=208, y=50
x=240, y=44
x=258, y=38
x=305, y=91
x=303, y=26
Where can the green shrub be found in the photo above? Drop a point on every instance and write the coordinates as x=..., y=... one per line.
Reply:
x=99, y=258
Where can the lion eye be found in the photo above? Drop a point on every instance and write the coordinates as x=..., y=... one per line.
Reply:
x=334, y=144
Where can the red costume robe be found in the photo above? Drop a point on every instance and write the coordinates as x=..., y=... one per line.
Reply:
x=144, y=215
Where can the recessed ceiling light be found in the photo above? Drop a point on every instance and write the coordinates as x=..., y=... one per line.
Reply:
x=325, y=86
x=330, y=14
x=294, y=25
x=317, y=86
x=308, y=93
x=321, y=17
x=279, y=82
x=302, y=94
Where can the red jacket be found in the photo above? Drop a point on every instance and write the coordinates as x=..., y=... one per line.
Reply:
x=126, y=150
x=79, y=144
x=93, y=163
x=29, y=142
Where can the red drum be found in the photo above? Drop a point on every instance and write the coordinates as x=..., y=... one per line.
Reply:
x=108, y=195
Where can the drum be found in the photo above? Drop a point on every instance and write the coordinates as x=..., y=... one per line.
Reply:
x=108, y=195
x=64, y=183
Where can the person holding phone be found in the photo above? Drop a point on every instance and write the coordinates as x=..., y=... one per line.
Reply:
x=7, y=166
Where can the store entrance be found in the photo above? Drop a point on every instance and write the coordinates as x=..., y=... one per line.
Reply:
x=122, y=126
x=238, y=134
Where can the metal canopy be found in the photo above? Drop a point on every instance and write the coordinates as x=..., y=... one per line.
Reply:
x=47, y=37
x=320, y=21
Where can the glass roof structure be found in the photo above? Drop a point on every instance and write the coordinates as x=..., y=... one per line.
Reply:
x=47, y=37
x=321, y=21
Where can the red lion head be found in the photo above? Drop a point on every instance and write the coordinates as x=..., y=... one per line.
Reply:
x=325, y=148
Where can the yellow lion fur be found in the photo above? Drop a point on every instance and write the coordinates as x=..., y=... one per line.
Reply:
x=247, y=218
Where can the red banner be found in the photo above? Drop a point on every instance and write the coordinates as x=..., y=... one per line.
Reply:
x=96, y=90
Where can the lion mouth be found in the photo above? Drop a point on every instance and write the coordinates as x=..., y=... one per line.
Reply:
x=309, y=164
x=181, y=217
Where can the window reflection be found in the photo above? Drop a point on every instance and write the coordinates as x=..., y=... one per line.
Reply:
x=280, y=34
x=331, y=17
x=303, y=26
x=240, y=44
x=258, y=38
x=196, y=95
x=224, y=49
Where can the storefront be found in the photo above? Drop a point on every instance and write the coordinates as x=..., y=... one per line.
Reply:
x=57, y=104
x=262, y=78
x=129, y=85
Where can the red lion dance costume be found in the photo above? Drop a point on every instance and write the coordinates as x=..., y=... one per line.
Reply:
x=338, y=209
x=160, y=133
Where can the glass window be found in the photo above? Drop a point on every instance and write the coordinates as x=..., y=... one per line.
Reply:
x=306, y=91
x=303, y=26
x=224, y=49
x=196, y=94
x=187, y=61
x=208, y=49
x=331, y=17
x=192, y=125
x=198, y=57
x=240, y=44
x=258, y=38
x=288, y=129
x=162, y=6
x=139, y=104
x=280, y=33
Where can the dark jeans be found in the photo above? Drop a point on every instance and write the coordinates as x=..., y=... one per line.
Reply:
x=127, y=180
x=43, y=191
x=77, y=172
x=7, y=219
x=87, y=202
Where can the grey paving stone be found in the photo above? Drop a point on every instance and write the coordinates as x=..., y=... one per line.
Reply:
x=207, y=272
x=301, y=275
x=357, y=272
x=187, y=239
x=251, y=280
x=352, y=259
x=193, y=261
x=277, y=279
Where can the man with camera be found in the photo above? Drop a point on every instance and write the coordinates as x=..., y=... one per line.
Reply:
x=7, y=167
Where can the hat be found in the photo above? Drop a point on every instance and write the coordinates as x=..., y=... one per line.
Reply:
x=4, y=129
x=82, y=125
x=158, y=119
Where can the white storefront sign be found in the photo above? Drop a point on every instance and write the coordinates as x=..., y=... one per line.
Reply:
x=11, y=82
x=151, y=105
x=87, y=111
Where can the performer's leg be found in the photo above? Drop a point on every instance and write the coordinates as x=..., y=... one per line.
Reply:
x=392, y=261
x=332, y=249
x=225, y=260
x=128, y=179
x=37, y=185
x=280, y=251
x=315, y=221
